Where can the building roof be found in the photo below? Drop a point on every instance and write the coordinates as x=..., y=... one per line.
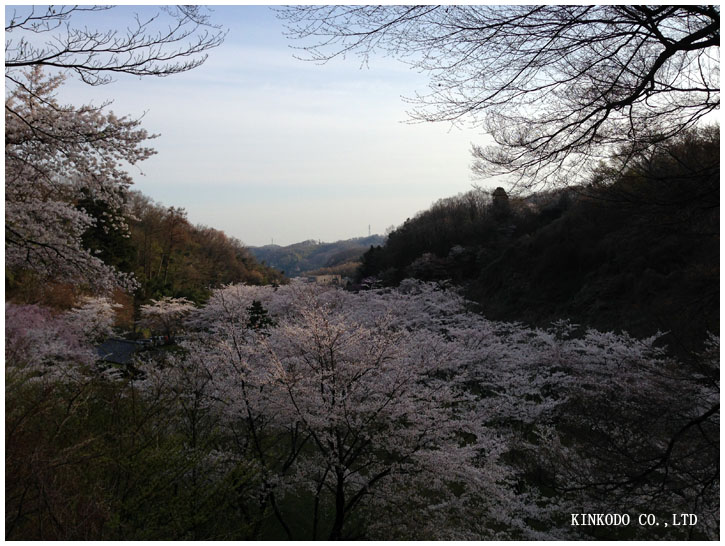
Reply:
x=117, y=351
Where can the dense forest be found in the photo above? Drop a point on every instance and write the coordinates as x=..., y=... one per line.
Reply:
x=634, y=250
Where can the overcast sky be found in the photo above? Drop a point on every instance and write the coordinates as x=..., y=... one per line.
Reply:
x=265, y=146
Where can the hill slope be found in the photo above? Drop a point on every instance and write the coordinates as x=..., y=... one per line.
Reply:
x=635, y=250
x=309, y=256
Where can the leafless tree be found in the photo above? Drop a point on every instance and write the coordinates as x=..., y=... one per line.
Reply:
x=553, y=85
x=173, y=40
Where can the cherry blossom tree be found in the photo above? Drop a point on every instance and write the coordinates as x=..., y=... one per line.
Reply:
x=165, y=315
x=39, y=340
x=36, y=341
x=94, y=317
x=56, y=155
x=342, y=408
x=603, y=420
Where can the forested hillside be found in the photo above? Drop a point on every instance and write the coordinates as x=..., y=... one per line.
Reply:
x=165, y=253
x=175, y=258
x=341, y=257
x=634, y=250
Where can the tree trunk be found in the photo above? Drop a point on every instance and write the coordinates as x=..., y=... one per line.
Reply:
x=336, y=533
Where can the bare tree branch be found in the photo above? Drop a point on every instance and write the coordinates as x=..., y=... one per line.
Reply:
x=553, y=85
x=172, y=41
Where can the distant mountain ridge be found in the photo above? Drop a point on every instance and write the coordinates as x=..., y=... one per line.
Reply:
x=315, y=257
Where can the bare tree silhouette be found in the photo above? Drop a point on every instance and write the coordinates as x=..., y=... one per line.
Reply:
x=553, y=85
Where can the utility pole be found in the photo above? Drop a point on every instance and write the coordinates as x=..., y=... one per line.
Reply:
x=368, y=230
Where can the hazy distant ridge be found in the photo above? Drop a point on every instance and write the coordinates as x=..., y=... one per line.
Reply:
x=311, y=255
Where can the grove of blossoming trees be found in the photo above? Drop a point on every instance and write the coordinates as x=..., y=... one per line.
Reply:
x=305, y=412
x=342, y=406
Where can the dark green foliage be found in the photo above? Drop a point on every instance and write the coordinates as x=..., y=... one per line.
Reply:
x=635, y=250
x=259, y=318
x=108, y=242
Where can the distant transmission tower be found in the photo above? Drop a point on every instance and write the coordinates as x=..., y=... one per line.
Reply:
x=368, y=230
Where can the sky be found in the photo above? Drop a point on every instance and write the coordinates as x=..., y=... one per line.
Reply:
x=267, y=147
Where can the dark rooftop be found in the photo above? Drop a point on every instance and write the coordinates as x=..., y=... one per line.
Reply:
x=117, y=351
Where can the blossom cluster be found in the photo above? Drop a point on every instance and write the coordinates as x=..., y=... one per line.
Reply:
x=56, y=156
